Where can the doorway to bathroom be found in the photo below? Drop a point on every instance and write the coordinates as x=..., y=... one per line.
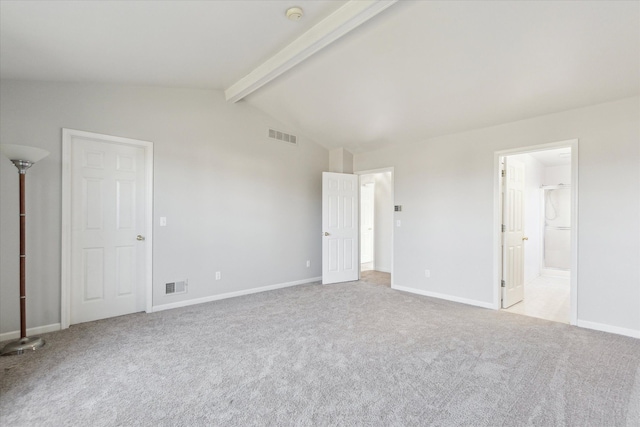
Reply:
x=376, y=225
x=537, y=232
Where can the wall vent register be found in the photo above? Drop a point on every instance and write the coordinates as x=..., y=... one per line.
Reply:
x=283, y=136
x=176, y=288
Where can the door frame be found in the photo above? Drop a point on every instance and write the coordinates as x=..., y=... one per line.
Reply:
x=497, y=219
x=65, y=282
x=393, y=199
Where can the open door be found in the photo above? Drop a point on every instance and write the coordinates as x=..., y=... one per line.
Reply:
x=340, y=261
x=513, y=233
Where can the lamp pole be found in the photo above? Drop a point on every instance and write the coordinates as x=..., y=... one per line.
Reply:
x=23, y=258
x=17, y=154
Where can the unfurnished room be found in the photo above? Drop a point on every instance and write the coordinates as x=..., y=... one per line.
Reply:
x=319, y=213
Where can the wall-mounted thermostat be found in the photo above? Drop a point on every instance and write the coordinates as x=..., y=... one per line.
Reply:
x=398, y=208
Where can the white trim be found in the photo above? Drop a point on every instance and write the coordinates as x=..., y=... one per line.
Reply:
x=30, y=332
x=393, y=202
x=233, y=294
x=330, y=29
x=443, y=296
x=373, y=171
x=65, y=279
x=65, y=267
x=633, y=333
x=497, y=255
x=573, y=279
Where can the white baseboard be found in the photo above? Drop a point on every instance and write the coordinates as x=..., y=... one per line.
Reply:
x=232, y=294
x=444, y=296
x=633, y=333
x=30, y=331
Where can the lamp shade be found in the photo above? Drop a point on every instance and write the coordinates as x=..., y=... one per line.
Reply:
x=23, y=152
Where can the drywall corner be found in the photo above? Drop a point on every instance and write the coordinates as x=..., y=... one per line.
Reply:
x=340, y=161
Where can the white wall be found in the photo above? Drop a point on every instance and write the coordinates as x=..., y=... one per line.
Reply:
x=533, y=177
x=445, y=185
x=557, y=242
x=383, y=219
x=235, y=201
x=554, y=175
x=340, y=161
x=347, y=161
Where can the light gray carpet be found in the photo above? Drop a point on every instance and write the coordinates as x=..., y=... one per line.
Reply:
x=344, y=354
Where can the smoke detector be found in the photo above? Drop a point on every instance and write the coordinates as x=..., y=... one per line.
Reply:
x=294, y=13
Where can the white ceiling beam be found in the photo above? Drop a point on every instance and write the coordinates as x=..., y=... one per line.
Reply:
x=334, y=26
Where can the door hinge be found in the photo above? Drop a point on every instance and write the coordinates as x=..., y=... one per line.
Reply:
x=503, y=228
x=503, y=284
x=503, y=172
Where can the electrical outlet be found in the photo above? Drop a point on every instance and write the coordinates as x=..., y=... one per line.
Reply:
x=163, y=221
x=427, y=273
x=308, y=263
x=218, y=275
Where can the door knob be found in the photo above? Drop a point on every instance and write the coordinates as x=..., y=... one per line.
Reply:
x=525, y=238
x=140, y=237
x=326, y=234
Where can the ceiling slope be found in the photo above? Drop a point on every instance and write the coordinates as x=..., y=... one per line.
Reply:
x=334, y=26
x=195, y=44
x=420, y=69
x=424, y=69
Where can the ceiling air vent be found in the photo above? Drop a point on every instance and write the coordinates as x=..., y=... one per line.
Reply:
x=282, y=136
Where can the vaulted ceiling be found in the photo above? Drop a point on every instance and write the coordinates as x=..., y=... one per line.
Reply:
x=416, y=70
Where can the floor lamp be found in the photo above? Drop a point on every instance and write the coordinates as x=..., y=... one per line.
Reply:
x=23, y=157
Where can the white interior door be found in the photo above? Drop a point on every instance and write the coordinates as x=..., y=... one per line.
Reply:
x=108, y=223
x=340, y=227
x=367, y=192
x=513, y=234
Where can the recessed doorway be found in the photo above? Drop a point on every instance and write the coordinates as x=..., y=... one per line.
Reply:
x=537, y=196
x=107, y=225
x=376, y=225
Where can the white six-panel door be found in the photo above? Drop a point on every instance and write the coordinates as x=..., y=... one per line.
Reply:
x=340, y=227
x=107, y=245
x=513, y=236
